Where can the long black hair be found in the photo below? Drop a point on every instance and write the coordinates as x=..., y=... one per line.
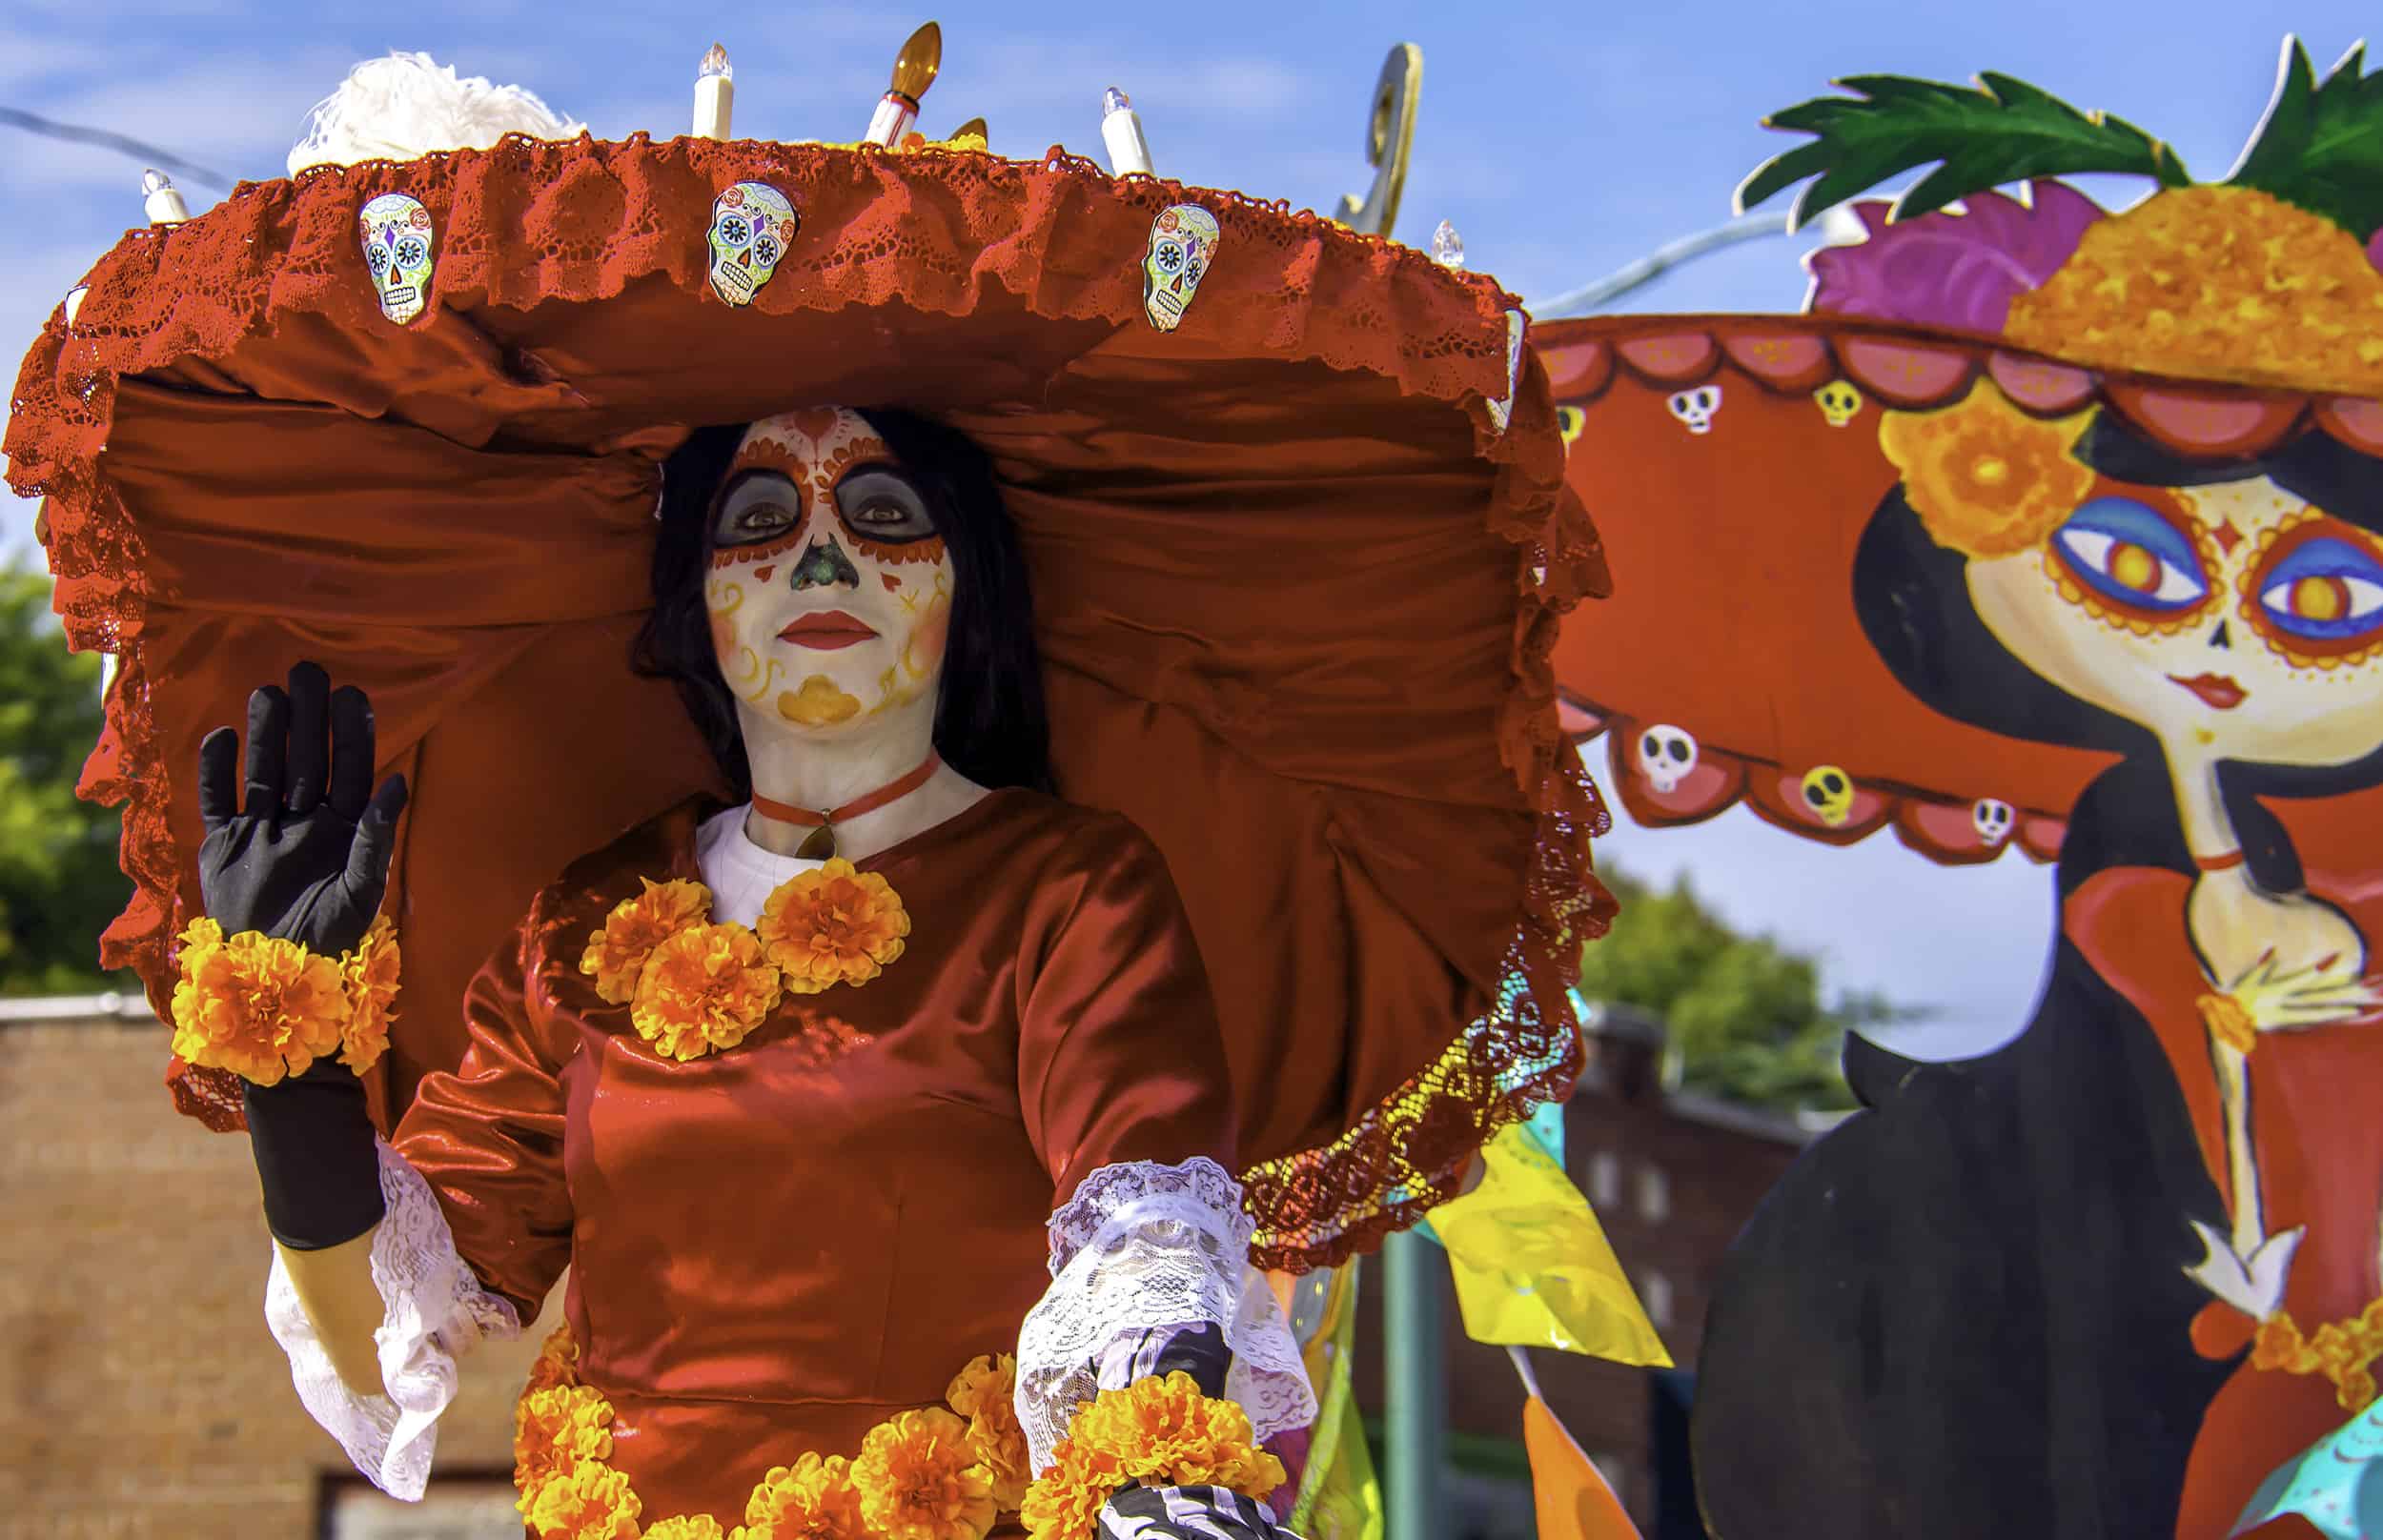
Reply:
x=989, y=721
x=1912, y=596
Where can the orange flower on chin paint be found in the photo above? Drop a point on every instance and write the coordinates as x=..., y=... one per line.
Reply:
x=1986, y=478
x=617, y=954
x=812, y=1499
x=831, y=926
x=703, y=990
x=819, y=703
x=919, y=1480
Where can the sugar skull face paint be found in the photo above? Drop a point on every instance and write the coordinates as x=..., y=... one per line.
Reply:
x=829, y=590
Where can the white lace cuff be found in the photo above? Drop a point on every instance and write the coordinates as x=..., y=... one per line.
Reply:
x=1142, y=1248
x=437, y=1311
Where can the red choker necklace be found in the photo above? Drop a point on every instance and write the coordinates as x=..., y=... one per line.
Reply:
x=821, y=842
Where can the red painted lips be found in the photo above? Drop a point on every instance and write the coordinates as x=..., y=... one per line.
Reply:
x=827, y=631
x=2214, y=690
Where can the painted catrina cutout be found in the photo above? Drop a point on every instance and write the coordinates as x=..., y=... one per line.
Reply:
x=753, y=225
x=2117, y=1274
x=1182, y=247
x=398, y=244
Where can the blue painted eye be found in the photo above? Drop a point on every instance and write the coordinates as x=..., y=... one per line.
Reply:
x=2322, y=590
x=2130, y=555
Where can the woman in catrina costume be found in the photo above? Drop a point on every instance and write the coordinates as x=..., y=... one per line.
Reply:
x=1035, y=687
x=2117, y=1276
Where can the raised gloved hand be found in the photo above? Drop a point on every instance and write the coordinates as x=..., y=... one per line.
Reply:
x=305, y=857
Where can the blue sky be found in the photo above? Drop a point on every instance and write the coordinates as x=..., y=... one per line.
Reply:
x=1563, y=139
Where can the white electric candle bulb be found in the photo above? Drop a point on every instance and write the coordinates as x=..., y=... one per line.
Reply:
x=1121, y=130
x=159, y=200
x=715, y=93
x=914, y=69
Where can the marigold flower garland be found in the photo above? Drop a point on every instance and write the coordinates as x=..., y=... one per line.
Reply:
x=263, y=1007
x=1157, y=1432
x=694, y=987
x=931, y=1475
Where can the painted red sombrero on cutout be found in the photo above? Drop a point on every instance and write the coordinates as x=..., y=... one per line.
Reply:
x=2219, y=323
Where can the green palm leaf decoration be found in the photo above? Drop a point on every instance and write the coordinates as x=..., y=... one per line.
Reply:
x=2321, y=145
x=2003, y=130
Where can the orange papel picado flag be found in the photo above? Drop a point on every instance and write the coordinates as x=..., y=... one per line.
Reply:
x=1573, y=1500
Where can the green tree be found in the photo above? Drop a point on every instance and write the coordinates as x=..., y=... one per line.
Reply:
x=59, y=886
x=1746, y=1016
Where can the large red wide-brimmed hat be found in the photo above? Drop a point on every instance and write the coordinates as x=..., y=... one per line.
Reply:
x=1298, y=558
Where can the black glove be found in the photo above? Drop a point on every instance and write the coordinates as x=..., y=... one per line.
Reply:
x=306, y=860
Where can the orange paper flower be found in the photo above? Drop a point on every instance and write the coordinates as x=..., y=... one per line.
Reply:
x=919, y=1480
x=2226, y=283
x=617, y=954
x=370, y=975
x=831, y=926
x=985, y=1393
x=592, y=1502
x=1986, y=478
x=554, y=1432
x=812, y=1499
x=702, y=990
x=254, y=1006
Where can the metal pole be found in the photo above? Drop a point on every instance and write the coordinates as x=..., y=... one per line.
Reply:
x=1415, y=1389
x=1655, y=264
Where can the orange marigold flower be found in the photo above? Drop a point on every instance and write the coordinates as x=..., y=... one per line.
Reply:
x=702, y=990
x=2226, y=283
x=687, y=1527
x=831, y=926
x=592, y=1502
x=370, y=974
x=554, y=1432
x=1065, y=1503
x=617, y=954
x=1986, y=478
x=812, y=1499
x=985, y=1393
x=257, y=1006
x=2354, y=1393
x=558, y=1360
x=919, y=1480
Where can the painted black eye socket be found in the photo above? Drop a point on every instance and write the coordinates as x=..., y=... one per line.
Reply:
x=880, y=504
x=758, y=506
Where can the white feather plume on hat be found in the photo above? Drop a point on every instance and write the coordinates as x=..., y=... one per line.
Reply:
x=405, y=106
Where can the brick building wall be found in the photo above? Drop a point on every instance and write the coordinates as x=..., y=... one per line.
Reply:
x=143, y=1395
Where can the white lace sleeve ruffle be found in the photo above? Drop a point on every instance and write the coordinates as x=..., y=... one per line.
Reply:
x=1143, y=1246
x=437, y=1311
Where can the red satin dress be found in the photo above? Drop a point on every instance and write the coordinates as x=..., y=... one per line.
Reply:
x=777, y=1246
x=2319, y=1141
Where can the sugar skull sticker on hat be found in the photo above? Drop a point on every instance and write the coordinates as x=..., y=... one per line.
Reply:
x=396, y=231
x=752, y=225
x=1183, y=243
